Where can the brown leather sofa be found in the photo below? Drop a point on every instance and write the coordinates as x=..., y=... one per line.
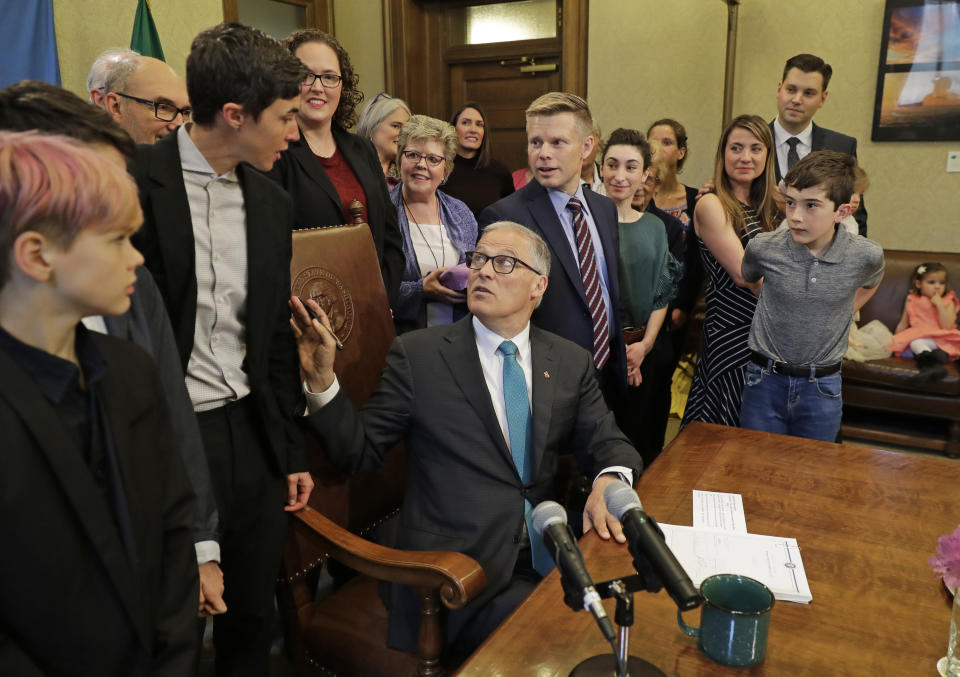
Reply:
x=880, y=402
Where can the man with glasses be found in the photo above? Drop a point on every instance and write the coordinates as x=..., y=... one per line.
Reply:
x=484, y=407
x=146, y=97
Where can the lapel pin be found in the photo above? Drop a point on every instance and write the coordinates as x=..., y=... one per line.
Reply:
x=546, y=374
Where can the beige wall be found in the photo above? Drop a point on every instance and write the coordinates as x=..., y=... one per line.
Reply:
x=87, y=27
x=649, y=59
x=358, y=25
x=912, y=202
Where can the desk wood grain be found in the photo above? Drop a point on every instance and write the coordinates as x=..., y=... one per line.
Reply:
x=866, y=521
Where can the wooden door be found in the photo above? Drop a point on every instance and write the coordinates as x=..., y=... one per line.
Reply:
x=428, y=65
x=504, y=78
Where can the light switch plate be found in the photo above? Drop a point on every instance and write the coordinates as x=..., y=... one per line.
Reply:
x=953, y=160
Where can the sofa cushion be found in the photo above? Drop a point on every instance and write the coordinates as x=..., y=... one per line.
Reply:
x=895, y=372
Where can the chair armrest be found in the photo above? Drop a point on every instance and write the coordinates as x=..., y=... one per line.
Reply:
x=459, y=577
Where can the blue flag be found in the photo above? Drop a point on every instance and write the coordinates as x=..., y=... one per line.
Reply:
x=29, y=42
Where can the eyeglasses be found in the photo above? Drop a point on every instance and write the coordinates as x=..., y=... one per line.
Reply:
x=162, y=111
x=328, y=80
x=502, y=263
x=415, y=157
x=381, y=95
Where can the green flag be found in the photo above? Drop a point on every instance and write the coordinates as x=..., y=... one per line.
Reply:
x=145, y=38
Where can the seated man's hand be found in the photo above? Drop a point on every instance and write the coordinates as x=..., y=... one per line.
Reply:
x=595, y=514
x=316, y=346
x=211, y=590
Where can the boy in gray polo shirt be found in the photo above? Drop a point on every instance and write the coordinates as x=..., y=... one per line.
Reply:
x=815, y=276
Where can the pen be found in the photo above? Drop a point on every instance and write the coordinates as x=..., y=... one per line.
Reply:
x=314, y=316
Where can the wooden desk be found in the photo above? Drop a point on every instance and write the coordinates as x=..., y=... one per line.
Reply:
x=866, y=522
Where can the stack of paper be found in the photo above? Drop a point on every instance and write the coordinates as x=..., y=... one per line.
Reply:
x=718, y=543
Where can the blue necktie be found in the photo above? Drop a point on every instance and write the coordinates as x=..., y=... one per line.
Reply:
x=520, y=430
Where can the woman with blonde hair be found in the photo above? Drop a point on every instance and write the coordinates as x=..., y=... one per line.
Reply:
x=437, y=229
x=724, y=222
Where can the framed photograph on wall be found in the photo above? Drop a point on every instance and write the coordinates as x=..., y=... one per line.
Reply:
x=918, y=81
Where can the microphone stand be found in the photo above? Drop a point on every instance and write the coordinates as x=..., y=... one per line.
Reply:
x=620, y=663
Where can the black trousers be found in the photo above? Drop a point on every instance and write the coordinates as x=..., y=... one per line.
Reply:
x=250, y=493
x=644, y=416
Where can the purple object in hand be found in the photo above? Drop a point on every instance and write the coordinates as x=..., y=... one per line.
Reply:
x=455, y=277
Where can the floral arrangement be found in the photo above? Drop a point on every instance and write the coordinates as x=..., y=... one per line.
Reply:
x=947, y=560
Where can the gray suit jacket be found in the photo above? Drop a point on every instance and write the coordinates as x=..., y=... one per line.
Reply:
x=463, y=492
x=146, y=323
x=827, y=139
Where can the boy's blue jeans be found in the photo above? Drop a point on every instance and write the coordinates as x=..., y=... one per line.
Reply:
x=791, y=405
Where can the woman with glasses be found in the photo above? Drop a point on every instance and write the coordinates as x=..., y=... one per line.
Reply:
x=380, y=121
x=477, y=178
x=327, y=168
x=437, y=229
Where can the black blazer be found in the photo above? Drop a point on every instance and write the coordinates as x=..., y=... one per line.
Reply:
x=827, y=139
x=317, y=203
x=72, y=602
x=564, y=310
x=166, y=241
x=463, y=492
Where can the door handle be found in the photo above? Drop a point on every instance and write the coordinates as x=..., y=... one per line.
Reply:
x=538, y=68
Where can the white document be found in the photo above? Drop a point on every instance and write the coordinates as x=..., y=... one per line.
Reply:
x=773, y=561
x=717, y=510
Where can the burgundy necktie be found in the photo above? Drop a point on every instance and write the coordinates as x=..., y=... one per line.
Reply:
x=591, y=285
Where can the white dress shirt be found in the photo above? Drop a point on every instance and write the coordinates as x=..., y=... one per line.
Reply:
x=780, y=136
x=214, y=373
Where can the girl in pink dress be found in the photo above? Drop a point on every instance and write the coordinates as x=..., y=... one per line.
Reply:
x=928, y=325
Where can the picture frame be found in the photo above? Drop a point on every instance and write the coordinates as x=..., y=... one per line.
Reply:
x=918, y=78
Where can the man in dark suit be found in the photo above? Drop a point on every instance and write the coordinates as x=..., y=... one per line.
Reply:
x=98, y=575
x=580, y=227
x=216, y=237
x=31, y=104
x=482, y=437
x=801, y=93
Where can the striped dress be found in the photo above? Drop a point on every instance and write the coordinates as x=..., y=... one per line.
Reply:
x=718, y=380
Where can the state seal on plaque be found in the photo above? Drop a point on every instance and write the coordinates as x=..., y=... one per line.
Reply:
x=330, y=294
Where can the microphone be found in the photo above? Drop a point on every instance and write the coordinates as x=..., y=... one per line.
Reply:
x=550, y=521
x=647, y=544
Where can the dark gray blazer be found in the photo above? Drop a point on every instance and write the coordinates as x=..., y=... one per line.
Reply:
x=146, y=324
x=827, y=139
x=463, y=492
x=71, y=600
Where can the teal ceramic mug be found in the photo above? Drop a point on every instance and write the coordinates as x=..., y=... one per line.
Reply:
x=734, y=620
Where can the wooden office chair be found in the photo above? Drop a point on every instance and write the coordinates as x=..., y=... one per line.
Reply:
x=345, y=633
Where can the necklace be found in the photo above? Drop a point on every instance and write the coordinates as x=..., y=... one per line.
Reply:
x=318, y=153
x=443, y=250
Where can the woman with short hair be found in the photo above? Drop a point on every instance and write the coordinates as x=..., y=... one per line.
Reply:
x=380, y=121
x=437, y=229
